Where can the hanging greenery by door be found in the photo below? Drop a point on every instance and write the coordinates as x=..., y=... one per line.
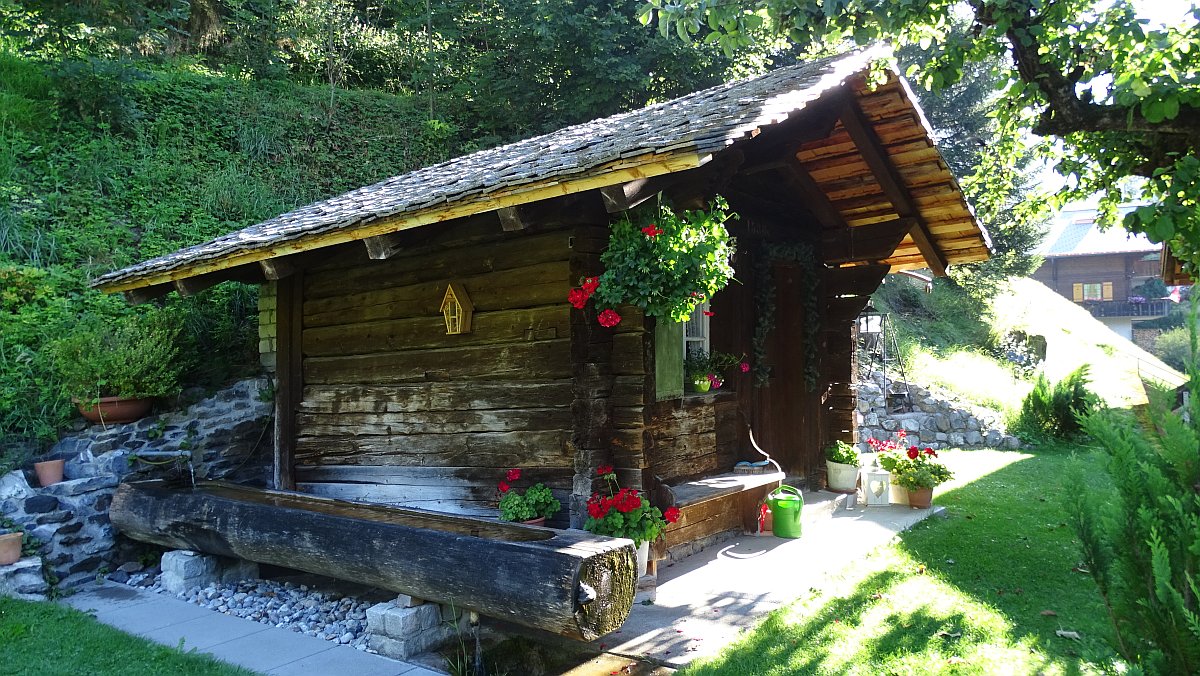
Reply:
x=764, y=296
x=666, y=267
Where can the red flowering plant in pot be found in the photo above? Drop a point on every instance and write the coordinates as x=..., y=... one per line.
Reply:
x=916, y=470
x=667, y=267
x=625, y=512
x=535, y=505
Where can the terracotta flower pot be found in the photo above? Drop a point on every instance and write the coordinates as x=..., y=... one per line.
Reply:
x=114, y=410
x=920, y=498
x=540, y=521
x=49, y=471
x=10, y=548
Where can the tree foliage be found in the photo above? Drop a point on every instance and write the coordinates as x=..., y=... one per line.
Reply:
x=1094, y=89
x=1140, y=534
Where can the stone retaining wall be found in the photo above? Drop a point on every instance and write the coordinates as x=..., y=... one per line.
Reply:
x=228, y=436
x=938, y=419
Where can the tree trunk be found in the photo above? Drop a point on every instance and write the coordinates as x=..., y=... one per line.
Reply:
x=568, y=582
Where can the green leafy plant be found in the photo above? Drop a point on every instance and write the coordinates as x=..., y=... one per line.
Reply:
x=625, y=513
x=1138, y=532
x=915, y=468
x=134, y=356
x=669, y=266
x=536, y=502
x=842, y=452
x=700, y=366
x=1052, y=411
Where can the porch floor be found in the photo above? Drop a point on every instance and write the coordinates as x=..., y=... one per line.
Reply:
x=706, y=600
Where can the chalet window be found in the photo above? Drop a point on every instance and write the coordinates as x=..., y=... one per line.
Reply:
x=1092, y=291
x=695, y=331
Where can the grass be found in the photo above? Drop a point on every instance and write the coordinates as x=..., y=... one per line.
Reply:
x=960, y=595
x=972, y=375
x=45, y=639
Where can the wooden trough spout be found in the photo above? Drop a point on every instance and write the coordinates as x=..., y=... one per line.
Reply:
x=568, y=582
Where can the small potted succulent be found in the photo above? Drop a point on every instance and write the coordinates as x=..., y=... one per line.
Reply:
x=532, y=507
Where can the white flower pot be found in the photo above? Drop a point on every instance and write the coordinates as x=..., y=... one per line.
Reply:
x=643, y=558
x=841, y=478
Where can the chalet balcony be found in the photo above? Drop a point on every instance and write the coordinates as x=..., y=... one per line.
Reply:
x=1122, y=308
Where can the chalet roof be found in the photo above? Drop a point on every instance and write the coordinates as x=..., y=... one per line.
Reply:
x=664, y=138
x=1074, y=232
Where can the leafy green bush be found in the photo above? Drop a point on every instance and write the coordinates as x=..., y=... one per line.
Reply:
x=841, y=452
x=136, y=356
x=1053, y=411
x=1174, y=347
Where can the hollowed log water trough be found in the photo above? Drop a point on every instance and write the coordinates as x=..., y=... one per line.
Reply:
x=568, y=582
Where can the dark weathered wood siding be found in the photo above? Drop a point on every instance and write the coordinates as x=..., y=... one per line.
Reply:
x=394, y=410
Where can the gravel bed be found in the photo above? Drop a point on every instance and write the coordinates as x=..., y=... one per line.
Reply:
x=329, y=616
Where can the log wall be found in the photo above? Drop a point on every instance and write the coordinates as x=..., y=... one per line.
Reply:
x=394, y=410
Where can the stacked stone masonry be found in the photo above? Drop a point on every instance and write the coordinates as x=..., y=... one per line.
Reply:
x=227, y=436
x=937, y=419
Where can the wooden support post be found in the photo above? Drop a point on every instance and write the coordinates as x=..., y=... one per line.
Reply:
x=876, y=158
x=289, y=377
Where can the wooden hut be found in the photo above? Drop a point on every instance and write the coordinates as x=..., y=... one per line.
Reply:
x=377, y=401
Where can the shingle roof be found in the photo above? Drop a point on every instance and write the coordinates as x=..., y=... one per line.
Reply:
x=1074, y=232
x=697, y=124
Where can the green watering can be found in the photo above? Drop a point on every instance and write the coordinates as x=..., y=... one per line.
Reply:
x=785, y=503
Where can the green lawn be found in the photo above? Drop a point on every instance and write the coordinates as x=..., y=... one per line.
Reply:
x=45, y=638
x=969, y=594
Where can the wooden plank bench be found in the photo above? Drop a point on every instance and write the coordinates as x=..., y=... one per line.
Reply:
x=710, y=506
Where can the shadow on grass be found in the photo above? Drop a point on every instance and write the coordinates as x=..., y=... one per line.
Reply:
x=985, y=588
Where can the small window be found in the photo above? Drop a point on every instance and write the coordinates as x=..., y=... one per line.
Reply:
x=1093, y=291
x=695, y=331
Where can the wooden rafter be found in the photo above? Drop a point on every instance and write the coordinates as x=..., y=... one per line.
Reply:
x=869, y=146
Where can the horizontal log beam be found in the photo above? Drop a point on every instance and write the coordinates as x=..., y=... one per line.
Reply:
x=869, y=243
x=567, y=582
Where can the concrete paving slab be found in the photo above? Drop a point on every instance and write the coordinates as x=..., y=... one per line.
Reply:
x=154, y=614
x=269, y=650
x=343, y=660
x=205, y=632
x=100, y=598
x=245, y=643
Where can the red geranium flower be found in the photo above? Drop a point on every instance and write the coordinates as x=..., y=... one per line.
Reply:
x=609, y=318
x=709, y=313
x=604, y=469
x=513, y=474
x=913, y=453
x=672, y=514
x=652, y=230
x=577, y=298
x=930, y=451
x=590, y=284
x=503, y=487
x=745, y=367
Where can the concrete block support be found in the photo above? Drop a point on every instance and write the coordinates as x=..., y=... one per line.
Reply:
x=184, y=569
x=400, y=629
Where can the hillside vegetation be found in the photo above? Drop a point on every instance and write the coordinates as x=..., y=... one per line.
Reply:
x=973, y=348
x=103, y=165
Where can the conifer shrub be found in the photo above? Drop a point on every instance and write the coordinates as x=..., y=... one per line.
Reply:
x=1052, y=411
